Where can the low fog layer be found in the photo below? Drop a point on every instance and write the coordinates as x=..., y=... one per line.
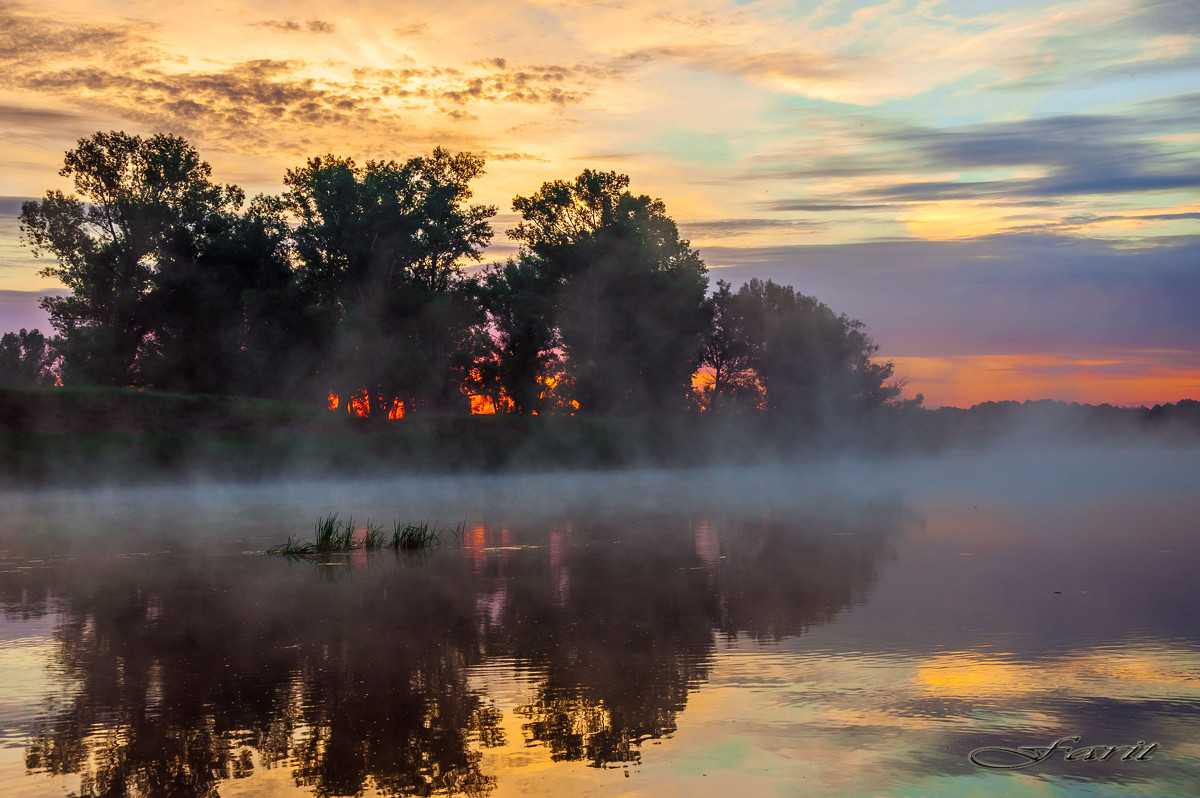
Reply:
x=1013, y=473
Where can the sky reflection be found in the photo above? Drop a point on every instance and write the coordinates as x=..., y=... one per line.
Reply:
x=839, y=645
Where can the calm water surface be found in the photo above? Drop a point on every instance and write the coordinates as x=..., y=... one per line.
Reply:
x=839, y=629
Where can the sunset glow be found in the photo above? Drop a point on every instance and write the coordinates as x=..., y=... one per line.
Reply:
x=1127, y=380
x=361, y=406
x=956, y=174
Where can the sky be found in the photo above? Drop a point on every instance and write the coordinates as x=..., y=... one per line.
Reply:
x=1007, y=194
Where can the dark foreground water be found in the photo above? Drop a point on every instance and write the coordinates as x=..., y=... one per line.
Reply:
x=838, y=629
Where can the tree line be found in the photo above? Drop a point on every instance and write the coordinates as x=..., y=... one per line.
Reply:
x=351, y=284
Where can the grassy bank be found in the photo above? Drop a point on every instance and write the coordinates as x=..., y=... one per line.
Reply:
x=110, y=435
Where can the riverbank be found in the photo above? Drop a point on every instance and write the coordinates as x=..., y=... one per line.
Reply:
x=112, y=436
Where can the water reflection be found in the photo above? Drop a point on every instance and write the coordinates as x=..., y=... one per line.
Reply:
x=764, y=639
x=185, y=672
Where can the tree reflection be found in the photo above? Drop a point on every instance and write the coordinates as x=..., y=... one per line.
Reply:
x=184, y=674
x=778, y=577
x=624, y=635
x=181, y=671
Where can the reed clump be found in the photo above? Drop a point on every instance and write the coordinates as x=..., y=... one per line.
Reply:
x=294, y=547
x=373, y=537
x=413, y=536
x=333, y=536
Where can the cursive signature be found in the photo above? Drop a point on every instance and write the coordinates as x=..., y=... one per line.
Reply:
x=1000, y=758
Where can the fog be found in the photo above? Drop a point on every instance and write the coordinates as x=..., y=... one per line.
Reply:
x=859, y=622
x=1016, y=470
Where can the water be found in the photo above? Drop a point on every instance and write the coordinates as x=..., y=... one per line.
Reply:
x=835, y=629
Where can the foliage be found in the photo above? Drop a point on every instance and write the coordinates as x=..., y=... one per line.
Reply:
x=373, y=537
x=521, y=348
x=814, y=364
x=351, y=282
x=139, y=199
x=627, y=292
x=26, y=359
x=226, y=313
x=730, y=354
x=413, y=536
x=172, y=285
x=379, y=248
x=293, y=547
x=334, y=536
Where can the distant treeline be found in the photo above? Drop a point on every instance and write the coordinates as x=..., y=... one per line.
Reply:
x=1045, y=420
x=351, y=285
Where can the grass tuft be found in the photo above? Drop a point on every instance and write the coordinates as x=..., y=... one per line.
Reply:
x=328, y=533
x=333, y=536
x=345, y=540
x=292, y=548
x=373, y=537
x=413, y=536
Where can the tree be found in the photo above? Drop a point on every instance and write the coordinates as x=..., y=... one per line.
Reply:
x=814, y=365
x=138, y=199
x=628, y=294
x=226, y=313
x=379, y=250
x=26, y=359
x=521, y=341
x=730, y=354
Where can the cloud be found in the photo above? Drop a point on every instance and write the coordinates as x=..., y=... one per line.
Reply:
x=19, y=310
x=788, y=65
x=35, y=126
x=726, y=228
x=241, y=94
x=1033, y=161
x=1081, y=223
x=28, y=41
x=817, y=73
x=809, y=206
x=416, y=29
x=291, y=26
x=514, y=156
x=118, y=69
x=609, y=157
x=492, y=81
x=998, y=294
x=1174, y=17
x=266, y=106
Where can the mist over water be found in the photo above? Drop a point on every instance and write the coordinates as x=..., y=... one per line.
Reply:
x=845, y=626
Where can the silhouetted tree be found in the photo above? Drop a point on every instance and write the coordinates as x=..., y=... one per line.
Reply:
x=814, y=365
x=26, y=359
x=137, y=199
x=628, y=293
x=730, y=354
x=521, y=343
x=379, y=249
x=226, y=314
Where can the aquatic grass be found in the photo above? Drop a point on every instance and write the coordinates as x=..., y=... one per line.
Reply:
x=410, y=537
x=413, y=536
x=345, y=540
x=373, y=537
x=328, y=531
x=294, y=547
x=334, y=536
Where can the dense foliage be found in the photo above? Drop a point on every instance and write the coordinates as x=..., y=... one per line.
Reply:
x=352, y=284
